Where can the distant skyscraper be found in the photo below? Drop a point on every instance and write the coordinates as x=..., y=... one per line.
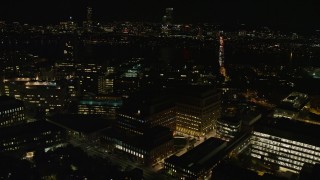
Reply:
x=65, y=67
x=167, y=18
x=89, y=14
x=87, y=24
x=68, y=52
x=223, y=71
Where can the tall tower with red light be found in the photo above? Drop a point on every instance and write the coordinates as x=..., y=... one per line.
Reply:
x=223, y=71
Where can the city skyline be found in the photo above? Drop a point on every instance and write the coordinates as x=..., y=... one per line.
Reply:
x=286, y=15
x=174, y=89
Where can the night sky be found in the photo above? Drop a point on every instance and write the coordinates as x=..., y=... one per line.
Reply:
x=289, y=14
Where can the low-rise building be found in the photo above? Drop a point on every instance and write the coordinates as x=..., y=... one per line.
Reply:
x=285, y=144
x=151, y=147
x=24, y=138
x=198, y=162
x=107, y=106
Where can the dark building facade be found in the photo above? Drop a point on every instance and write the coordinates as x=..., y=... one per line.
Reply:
x=12, y=112
x=24, y=138
x=155, y=144
x=146, y=110
x=198, y=162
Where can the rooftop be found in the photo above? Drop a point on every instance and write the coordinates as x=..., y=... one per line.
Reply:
x=204, y=155
x=106, y=102
x=230, y=120
x=228, y=171
x=147, y=102
x=28, y=129
x=81, y=123
x=196, y=91
x=290, y=129
x=7, y=102
x=6, y=98
x=295, y=100
x=40, y=83
x=152, y=138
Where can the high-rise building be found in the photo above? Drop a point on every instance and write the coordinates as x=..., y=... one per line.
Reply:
x=228, y=127
x=89, y=14
x=65, y=68
x=223, y=70
x=167, y=21
x=88, y=75
x=105, y=84
x=68, y=52
x=12, y=111
x=198, y=109
x=145, y=110
x=168, y=18
x=87, y=24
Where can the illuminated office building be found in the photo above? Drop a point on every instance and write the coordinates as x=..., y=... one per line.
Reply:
x=198, y=162
x=72, y=88
x=11, y=87
x=106, y=81
x=198, y=109
x=129, y=79
x=68, y=26
x=105, y=84
x=286, y=144
x=37, y=95
x=107, y=106
x=151, y=147
x=65, y=68
x=88, y=75
x=12, y=111
x=228, y=127
x=47, y=96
